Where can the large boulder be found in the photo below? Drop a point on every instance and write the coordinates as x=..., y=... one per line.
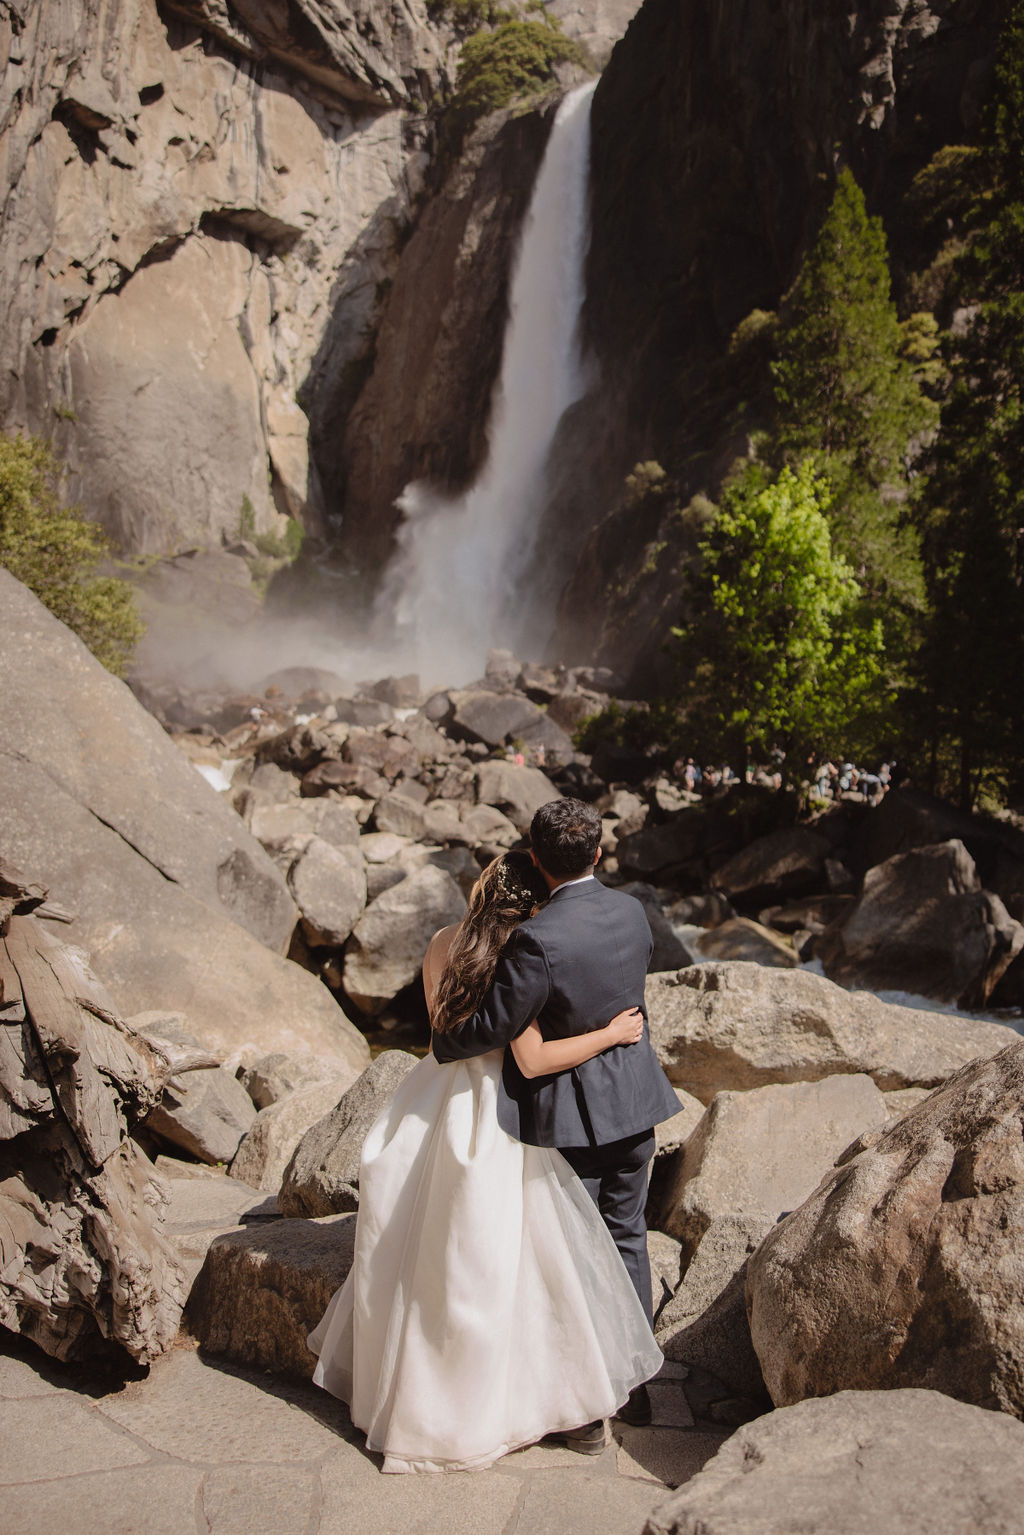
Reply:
x=783, y=863
x=77, y=731
x=158, y=871
x=269, y=1143
x=329, y=886
x=263, y=1289
x=742, y=938
x=517, y=791
x=906, y=1462
x=205, y=1113
x=924, y=924
x=906, y=1266
x=322, y=1177
x=386, y=949
x=492, y=718
x=740, y=1025
x=763, y=1151
x=705, y=1323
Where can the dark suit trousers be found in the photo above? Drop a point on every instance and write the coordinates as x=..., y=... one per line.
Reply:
x=615, y=1177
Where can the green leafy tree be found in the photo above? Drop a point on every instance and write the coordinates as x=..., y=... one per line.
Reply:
x=783, y=655
x=970, y=699
x=848, y=393
x=55, y=551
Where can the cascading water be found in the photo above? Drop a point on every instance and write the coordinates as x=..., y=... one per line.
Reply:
x=456, y=585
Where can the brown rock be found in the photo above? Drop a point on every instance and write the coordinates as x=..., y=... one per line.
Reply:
x=705, y=1323
x=206, y=1113
x=262, y=1290
x=329, y=886
x=906, y=1267
x=268, y=1145
x=786, y=862
x=322, y=1177
x=386, y=949
x=740, y=938
x=762, y=1152
x=737, y=1025
x=913, y=1459
x=517, y=791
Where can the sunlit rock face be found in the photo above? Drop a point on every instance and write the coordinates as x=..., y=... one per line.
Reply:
x=206, y=201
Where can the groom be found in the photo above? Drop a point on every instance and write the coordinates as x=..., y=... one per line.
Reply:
x=579, y=961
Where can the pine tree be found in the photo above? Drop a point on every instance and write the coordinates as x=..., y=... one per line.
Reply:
x=846, y=394
x=972, y=510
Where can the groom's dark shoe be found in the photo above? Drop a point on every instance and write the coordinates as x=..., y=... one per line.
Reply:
x=637, y=1410
x=589, y=1439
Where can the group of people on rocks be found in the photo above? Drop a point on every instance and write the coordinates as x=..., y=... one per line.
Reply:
x=828, y=779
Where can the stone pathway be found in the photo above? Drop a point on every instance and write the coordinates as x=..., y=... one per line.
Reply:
x=200, y=1446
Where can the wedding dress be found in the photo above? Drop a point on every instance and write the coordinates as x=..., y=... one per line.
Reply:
x=487, y=1305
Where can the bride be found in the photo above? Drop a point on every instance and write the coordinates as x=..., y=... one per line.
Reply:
x=487, y=1305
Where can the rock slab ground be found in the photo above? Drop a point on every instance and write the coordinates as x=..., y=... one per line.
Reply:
x=205, y=1448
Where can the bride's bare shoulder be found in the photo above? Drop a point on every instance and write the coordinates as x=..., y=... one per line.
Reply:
x=441, y=942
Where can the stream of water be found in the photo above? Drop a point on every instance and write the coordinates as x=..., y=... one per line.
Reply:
x=457, y=585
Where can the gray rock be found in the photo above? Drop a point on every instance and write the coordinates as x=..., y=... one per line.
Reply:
x=666, y=1259
x=915, y=1459
x=502, y=669
x=705, y=1323
x=783, y=863
x=738, y=1025
x=263, y=1289
x=400, y=692
x=329, y=886
x=206, y=1114
x=670, y=952
x=517, y=791
x=923, y=924
x=77, y=730
x=403, y=816
x=286, y=827
x=672, y=1134
x=386, y=949
x=268, y=1145
x=274, y=1076
x=906, y=1266
x=764, y=1151
x=740, y=938
x=493, y=718
x=322, y=1177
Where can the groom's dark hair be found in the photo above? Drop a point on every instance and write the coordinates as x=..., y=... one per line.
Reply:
x=565, y=835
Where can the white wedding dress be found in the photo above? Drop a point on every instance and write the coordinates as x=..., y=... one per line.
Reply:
x=487, y=1305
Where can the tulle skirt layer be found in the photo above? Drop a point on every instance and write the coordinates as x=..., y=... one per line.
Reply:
x=487, y=1305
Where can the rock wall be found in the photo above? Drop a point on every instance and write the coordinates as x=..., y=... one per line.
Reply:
x=717, y=129
x=203, y=201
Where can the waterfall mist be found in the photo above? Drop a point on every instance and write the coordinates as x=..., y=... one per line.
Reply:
x=457, y=585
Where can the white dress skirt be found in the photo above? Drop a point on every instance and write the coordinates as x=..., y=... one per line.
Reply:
x=487, y=1305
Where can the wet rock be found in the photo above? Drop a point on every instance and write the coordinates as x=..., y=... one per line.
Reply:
x=923, y=924
x=740, y=938
x=386, y=949
x=329, y=886
x=738, y=1025
x=762, y=1152
x=829, y=1466
x=263, y=1289
x=322, y=1177
x=906, y=1267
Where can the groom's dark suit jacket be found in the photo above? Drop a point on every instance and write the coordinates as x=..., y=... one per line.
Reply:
x=579, y=961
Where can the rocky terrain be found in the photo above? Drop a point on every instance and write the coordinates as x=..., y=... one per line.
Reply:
x=190, y=978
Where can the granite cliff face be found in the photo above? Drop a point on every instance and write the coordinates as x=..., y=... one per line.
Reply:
x=203, y=199
x=717, y=129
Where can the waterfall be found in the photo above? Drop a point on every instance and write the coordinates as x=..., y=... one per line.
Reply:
x=456, y=586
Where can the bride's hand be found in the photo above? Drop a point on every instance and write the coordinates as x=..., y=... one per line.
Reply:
x=627, y=1028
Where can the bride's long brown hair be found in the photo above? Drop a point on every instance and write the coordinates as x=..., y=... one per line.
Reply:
x=508, y=891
